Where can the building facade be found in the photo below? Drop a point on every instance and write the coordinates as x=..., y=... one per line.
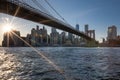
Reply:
x=54, y=37
x=39, y=37
x=12, y=39
x=112, y=33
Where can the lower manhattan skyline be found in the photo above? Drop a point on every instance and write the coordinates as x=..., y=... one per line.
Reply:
x=99, y=15
x=59, y=39
x=39, y=37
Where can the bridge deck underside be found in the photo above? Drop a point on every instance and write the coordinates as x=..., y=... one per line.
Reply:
x=21, y=12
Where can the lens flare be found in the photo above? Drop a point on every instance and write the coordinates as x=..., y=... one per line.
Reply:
x=7, y=28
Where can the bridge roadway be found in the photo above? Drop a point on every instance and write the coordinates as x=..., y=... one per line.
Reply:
x=25, y=11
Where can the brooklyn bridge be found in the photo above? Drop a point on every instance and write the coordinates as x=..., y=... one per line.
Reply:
x=25, y=11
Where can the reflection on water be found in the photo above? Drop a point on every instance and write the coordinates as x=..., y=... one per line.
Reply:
x=76, y=63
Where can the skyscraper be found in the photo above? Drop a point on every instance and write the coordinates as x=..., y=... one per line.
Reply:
x=44, y=35
x=11, y=39
x=77, y=27
x=112, y=32
x=86, y=29
x=33, y=38
x=63, y=37
x=54, y=35
x=71, y=37
x=39, y=36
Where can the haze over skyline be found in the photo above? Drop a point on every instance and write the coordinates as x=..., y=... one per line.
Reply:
x=98, y=14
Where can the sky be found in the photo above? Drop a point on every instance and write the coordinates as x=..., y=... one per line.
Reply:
x=98, y=14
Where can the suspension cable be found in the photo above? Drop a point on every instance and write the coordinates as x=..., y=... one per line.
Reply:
x=40, y=6
x=54, y=10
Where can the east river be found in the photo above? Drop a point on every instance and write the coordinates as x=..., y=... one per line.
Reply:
x=59, y=63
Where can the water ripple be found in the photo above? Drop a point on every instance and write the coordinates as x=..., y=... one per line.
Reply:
x=76, y=63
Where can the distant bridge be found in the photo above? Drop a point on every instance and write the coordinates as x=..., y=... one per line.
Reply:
x=25, y=11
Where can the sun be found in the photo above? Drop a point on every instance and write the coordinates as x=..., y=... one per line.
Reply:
x=7, y=28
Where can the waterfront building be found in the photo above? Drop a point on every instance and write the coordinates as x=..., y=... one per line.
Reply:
x=28, y=39
x=63, y=38
x=54, y=37
x=77, y=41
x=33, y=37
x=112, y=32
x=68, y=43
x=23, y=43
x=112, y=38
x=39, y=37
x=11, y=39
x=44, y=35
x=71, y=38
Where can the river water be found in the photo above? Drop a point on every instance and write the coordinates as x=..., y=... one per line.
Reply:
x=72, y=63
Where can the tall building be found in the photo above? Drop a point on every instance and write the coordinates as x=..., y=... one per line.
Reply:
x=54, y=37
x=39, y=37
x=28, y=39
x=44, y=35
x=112, y=32
x=86, y=29
x=71, y=37
x=33, y=37
x=62, y=38
x=12, y=39
x=77, y=27
x=77, y=41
